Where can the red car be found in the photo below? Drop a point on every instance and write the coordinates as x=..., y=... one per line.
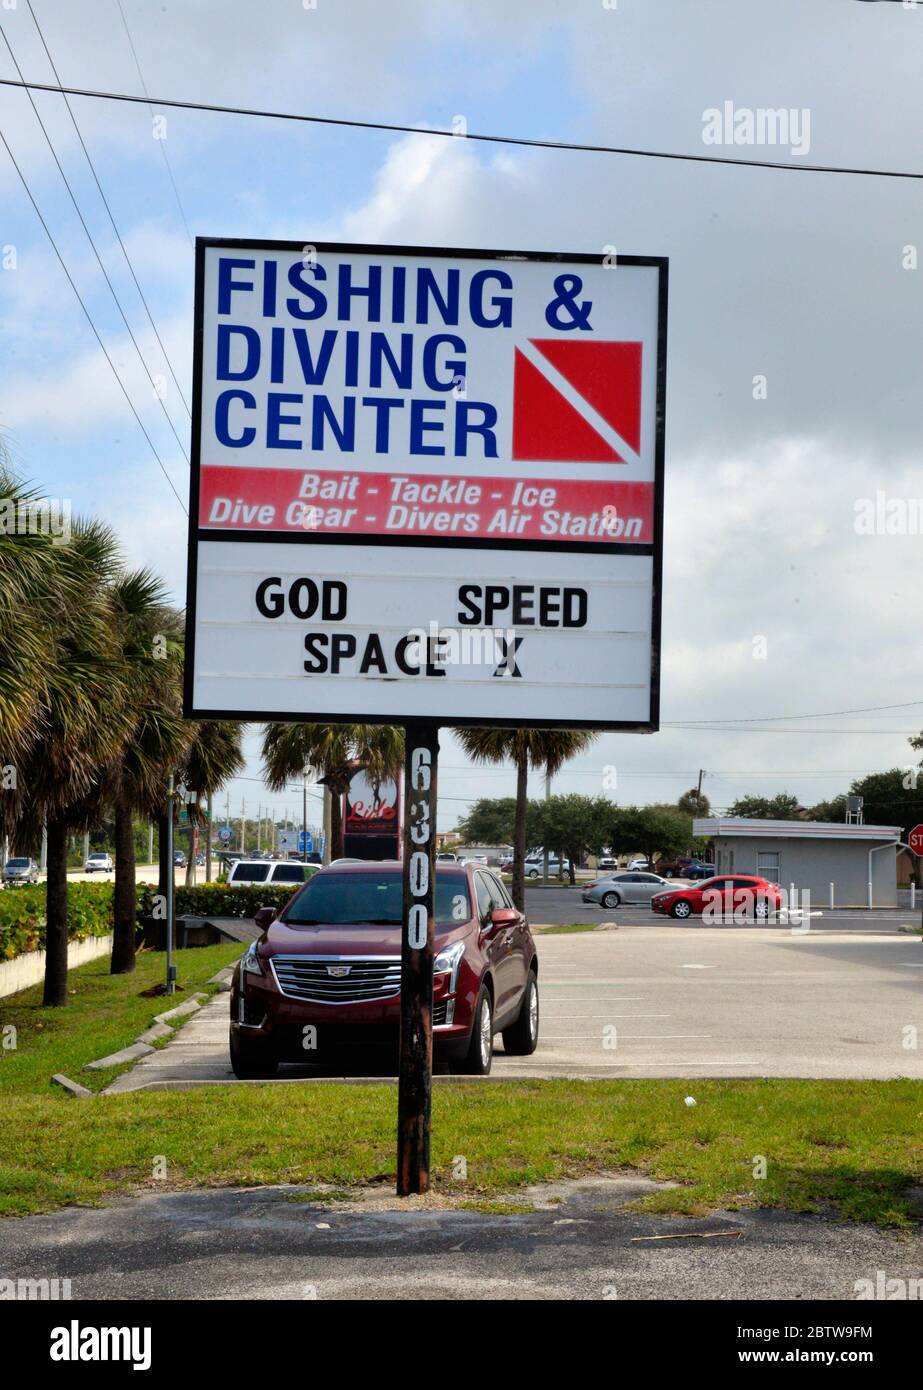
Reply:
x=326, y=972
x=723, y=896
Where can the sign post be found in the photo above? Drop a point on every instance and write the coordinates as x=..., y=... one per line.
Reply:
x=915, y=841
x=427, y=490
x=414, y=1095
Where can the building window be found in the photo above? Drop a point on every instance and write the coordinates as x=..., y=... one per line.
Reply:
x=768, y=864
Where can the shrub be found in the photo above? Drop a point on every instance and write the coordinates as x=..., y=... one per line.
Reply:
x=22, y=916
x=218, y=899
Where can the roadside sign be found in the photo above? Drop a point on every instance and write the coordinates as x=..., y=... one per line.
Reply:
x=224, y=834
x=915, y=839
x=305, y=842
x=426, y=486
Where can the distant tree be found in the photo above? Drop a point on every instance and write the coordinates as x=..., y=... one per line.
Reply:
x=654, y=831
x=574, y=824
x=833, y=810
x=781, y=807
x=545, y=749
x=891, y=798
x=489, y=822
x=694, y=803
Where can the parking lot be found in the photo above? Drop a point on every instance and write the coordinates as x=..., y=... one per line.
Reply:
x=648, y=997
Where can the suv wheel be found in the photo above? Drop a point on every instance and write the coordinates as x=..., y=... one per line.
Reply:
x=251, y=1061
x=481, y=1048
x=521, y=1038
x=681, y=909
x=533, y=873
x=610, y=900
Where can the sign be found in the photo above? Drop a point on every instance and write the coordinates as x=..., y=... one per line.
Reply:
x=426, y=486
x=915, y=839
x=224, y=834
x=371, y=818
x=305, y=842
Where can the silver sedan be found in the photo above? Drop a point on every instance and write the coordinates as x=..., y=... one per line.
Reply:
x=635, y=889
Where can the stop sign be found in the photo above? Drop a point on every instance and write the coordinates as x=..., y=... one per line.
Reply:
x=915, y=839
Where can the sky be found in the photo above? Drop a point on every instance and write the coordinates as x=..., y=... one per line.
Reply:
x=779, y=600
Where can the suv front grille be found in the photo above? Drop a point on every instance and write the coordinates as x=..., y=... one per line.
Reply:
x=310, y=977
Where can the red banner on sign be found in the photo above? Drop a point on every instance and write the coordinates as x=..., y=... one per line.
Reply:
x=433, y=505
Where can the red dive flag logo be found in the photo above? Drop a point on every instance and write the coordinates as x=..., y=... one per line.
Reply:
x=577, y=402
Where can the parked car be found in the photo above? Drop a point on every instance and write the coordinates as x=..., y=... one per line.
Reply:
x=505, y=862
x=179, y=859
x=607, y=861
x=639, y=866
x=535, y=867
x=698, y=870
x=630, y=888
x=98, y=860
x=446, y=856
x=727, y=894
x=332, y=958
x=673, y=866
x=271, y=871
x=20, y=870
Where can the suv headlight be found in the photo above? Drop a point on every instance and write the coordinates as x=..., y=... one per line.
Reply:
x=250, y=961
x=448, y=961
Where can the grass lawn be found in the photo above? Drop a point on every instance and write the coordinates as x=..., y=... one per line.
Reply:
x=104, y=1013
x=851, y=1147
x=567, y=928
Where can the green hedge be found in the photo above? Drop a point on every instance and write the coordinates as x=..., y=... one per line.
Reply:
x=22, y=916
x=218, y=899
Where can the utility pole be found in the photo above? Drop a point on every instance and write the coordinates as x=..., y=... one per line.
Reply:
x=304, y=814
x=259, y=826
x=328, y=821
x=545, y=855
x=243, y=826
x=698, y=792
x=150, y=842
x=208, y=842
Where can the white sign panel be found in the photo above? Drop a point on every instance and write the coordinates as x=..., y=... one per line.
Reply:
x=427, y=484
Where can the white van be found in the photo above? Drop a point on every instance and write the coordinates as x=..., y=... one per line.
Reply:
x=274, y=871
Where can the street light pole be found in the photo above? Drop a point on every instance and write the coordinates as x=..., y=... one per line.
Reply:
x=304, y=814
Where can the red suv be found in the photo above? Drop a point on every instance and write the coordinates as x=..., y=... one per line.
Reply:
x=326, y=971
x=723, y=896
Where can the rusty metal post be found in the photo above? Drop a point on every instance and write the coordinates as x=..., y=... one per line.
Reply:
x=415, y=1073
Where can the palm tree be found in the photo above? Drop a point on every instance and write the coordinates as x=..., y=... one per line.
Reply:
x=81, y=719
x=333, y=752
x=150, y=634
x=213, y=756
x=548, y=749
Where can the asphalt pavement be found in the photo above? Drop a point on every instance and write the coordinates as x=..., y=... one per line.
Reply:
x=581, y=1242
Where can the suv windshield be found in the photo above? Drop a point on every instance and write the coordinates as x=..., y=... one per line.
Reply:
x=342, y=899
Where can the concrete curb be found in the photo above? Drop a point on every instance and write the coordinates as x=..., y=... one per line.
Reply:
x=115, y=1059
x=73, y=1088
x=190, y=1006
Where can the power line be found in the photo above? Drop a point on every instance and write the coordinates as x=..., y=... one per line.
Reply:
x=568, y=146
x=87, y=315
x=99, y=259
x=162, y=143
x=771, y=718
x=118, y=234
